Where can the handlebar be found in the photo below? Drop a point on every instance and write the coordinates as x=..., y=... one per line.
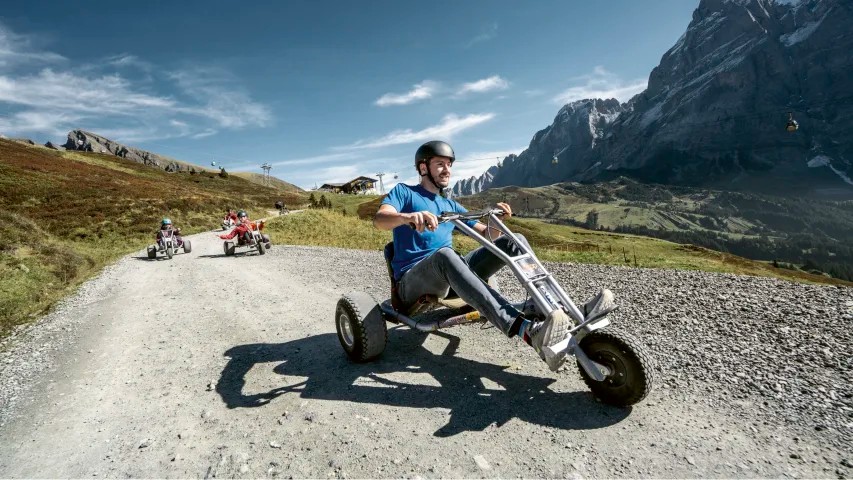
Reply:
x=476, y=215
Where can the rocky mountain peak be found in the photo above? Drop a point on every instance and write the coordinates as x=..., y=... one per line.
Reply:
x=715, y=108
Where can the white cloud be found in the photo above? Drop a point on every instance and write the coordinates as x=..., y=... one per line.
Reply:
x=222, y=102
x=421, y=91
x=19, y=49
x=495, y=82
x=487, y=33
x=601, y=84
x=475, y=163
x=450, y=125
x=317, y=159
x=127, y=60
x=206, y=133
x=57, y=99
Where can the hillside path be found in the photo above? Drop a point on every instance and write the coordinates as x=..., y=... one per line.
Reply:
x=214, y=366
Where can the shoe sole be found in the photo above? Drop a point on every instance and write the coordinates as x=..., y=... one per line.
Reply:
x=556, y=330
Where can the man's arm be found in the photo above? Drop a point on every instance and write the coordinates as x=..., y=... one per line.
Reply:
x=388, y=218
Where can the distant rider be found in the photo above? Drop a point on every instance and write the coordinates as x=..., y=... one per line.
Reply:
x=231, y=216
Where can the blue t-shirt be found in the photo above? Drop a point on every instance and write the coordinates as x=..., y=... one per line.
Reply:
x=411, y=246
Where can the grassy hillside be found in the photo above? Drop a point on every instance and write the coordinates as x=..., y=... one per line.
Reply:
x=817, y=235
x=275, y=183
x=64, y=215
x=330, y=227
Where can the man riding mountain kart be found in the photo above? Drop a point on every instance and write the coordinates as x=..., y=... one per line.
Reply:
x=424, y=262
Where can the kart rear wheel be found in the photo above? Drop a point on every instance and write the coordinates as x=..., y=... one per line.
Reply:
x=632, y=372
x=188, y=247
x=360, y=326
x=229, y=248
x=152, y=253
x=169, y=252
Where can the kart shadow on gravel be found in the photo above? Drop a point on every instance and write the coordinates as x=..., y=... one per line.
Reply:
x=146, y=259
x=473, y=406
x=236, y=254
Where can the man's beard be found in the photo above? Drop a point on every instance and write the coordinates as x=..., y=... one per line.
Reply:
x=442, y=182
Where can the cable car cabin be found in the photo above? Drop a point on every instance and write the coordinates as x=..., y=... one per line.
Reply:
x=555, y=160
x=792, y=125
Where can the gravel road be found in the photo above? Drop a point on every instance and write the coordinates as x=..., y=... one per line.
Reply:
x=214, y=366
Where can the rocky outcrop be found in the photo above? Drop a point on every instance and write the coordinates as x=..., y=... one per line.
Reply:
x=53, y=146
x=90, y=142
x=715, y=109
x=472, y=185
x=576, y=130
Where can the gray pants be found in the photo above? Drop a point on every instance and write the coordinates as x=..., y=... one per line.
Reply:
x=445, y=270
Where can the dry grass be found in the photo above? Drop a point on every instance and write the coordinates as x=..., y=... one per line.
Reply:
x=550, y=242
x=67, y=214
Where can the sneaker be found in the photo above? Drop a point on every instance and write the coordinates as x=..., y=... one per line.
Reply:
x=600, y=305
x=548, y=333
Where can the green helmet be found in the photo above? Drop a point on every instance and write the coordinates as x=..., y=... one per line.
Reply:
x=166, y=221
x=241, y=213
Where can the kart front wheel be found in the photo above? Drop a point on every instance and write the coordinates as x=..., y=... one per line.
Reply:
x=631, y=370
x=169, y=252
x=361, y=326
x=262, y=249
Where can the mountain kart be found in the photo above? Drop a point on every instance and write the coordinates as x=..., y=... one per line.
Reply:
x=614, y=365
x=168, y=244
x=253, y=239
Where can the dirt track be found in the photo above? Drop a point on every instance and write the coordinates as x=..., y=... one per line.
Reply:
x=213, y=366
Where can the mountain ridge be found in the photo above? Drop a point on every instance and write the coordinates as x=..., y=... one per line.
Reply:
x=715, y=109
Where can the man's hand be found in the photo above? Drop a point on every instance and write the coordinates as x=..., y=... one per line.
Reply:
x=506, y=208
x=422, y=220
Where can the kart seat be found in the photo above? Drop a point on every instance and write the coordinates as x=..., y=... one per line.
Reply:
x=424, y=302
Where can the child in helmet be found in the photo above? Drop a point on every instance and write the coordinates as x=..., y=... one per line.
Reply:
x=166, y=224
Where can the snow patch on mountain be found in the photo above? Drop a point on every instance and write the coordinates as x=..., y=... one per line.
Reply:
x=824, y=161
x=801, y=33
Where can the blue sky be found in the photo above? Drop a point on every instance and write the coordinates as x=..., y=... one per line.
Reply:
x=323, y=91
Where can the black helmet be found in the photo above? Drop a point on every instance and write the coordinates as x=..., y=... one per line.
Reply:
x=435, y=148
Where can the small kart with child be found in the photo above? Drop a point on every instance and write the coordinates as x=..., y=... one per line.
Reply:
x=616, y=367
x=252, y=238
x=168, y=244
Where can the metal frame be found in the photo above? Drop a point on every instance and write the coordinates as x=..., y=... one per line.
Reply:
x=541, y=286
x=166, y=241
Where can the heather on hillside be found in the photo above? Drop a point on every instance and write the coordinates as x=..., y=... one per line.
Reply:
x=67, y=214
